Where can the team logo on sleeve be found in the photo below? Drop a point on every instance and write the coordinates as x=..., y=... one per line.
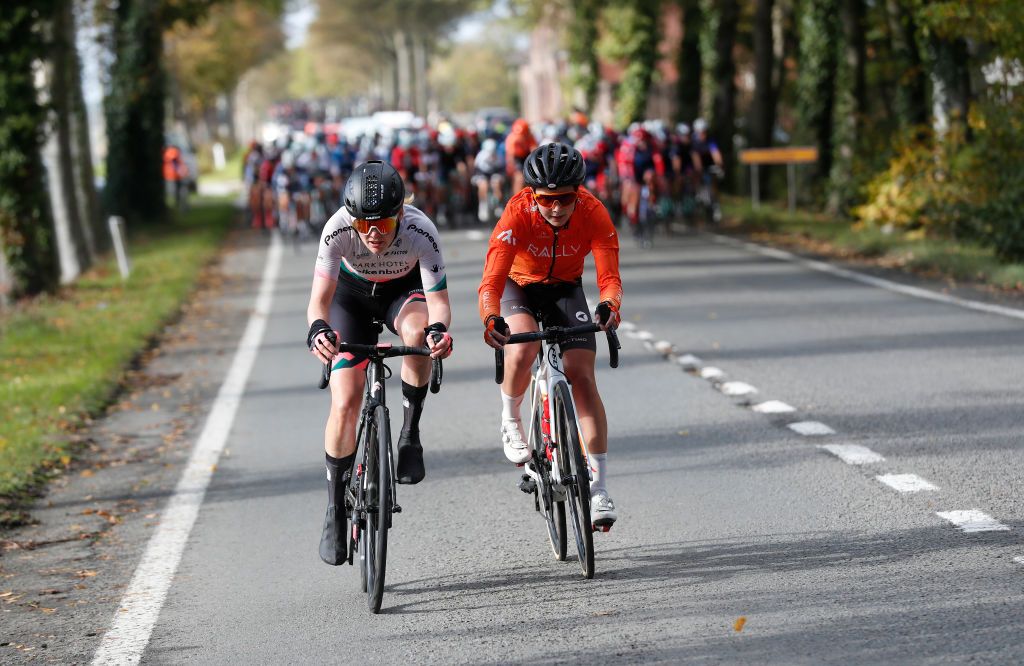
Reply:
x=583, y=316
x=506, y=236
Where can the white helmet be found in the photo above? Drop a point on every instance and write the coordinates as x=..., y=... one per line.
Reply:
x=683, y=129
x=700, y=125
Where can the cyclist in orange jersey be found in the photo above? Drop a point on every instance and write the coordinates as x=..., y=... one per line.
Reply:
x=518, y=144
x=534, y=269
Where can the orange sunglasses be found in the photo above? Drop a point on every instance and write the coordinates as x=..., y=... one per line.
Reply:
x=384, y=225
x=549, y=200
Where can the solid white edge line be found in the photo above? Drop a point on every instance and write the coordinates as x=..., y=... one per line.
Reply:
x=881, y=283
x=973, y=520
x=853, y=454
x=906, y=483
x=132, y=625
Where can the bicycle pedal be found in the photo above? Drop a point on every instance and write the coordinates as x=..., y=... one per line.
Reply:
x=602, y=528
x=527, y=484
x=396, y=509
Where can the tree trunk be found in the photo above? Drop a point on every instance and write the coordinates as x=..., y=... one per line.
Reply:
x=135, y=114
x=912, y=85
x=26, y=227
x=723, y=121
x=96, y=236
x=404, y=74
x=851, y=106
x=819, y=57
x=762, y=109
x=951, y=84
x=690, y=65
x=419, y=58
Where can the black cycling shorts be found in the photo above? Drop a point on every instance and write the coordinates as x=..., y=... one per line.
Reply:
x=357, y=303
x=562, y=304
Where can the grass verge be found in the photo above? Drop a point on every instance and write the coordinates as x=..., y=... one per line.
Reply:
x=63, y=356
x=952, y=260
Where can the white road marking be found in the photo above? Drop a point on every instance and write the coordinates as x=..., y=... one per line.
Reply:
x=129, y=632
x=881, y=283
x=737, y=389
x=973, y=520
x=663, y=347
x=712, y=373
x=853, y=454
x=689, y=362
x=646, y=336
x=1019, y=560
x=773, y=407
x=906, y=483
x=627, y=326
x=811, y=428
x=476, y=235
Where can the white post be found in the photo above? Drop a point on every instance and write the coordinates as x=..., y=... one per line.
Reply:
x=117, y=234
x=219, y=159
x=755, y=186
x=791, y=181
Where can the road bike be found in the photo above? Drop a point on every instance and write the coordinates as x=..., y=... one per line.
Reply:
x=370, y=497
x=558, y=473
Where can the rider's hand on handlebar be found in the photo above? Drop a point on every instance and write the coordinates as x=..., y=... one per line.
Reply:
x=607, y=316
x=438, y=339
x=496, y=332
x=319, y=342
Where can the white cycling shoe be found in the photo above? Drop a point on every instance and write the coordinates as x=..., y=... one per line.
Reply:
x=602, y=511
x=516, y=449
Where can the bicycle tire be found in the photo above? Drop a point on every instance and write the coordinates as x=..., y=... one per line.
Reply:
x=378, y=515
x=574, y=466
x=368, y=435
x=552, y=510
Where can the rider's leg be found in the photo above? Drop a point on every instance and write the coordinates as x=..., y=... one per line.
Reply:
x=340, y=446
x=410, y=322
x=518, y=361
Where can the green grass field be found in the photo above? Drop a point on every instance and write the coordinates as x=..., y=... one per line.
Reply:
x=955, y=260
x=62, y=357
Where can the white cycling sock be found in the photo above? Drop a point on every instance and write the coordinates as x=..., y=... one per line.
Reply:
x=510, y=406
x=599, y=468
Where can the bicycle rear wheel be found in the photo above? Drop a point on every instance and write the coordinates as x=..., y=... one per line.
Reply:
x=552, y=509
x=378, y=509
x=576, y=476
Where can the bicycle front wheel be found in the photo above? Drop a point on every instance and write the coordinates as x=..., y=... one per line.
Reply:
x=552, y=508
x=575, y=476
x=378, y=510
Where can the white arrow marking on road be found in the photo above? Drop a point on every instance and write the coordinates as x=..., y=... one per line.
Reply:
x=773, y=407
x=132, y=626
x=737, y=389
x=811, y=428
x=973, y=520
x=853, y=454
x=689, y=362
x=906, y=483
x=712, y=373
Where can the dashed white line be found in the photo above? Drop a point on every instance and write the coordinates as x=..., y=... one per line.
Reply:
x=811, y=428
x=129, y=632
x=712, y=373
x=476, y=235
x=626, y=326
x=663, y=347
x=1019, y=560
x=689, y=362
x=853, y=454
x=906, y=483
x=737, y=389
x=773, y=407
x=973, y=520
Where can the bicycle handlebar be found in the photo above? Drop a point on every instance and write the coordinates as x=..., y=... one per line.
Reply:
x=556, y=335
x=382, y=351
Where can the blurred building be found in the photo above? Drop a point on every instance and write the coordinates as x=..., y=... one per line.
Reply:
x=542, y=75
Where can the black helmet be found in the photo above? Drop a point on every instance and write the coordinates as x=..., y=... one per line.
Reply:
x=554, y=165
x=374, y=190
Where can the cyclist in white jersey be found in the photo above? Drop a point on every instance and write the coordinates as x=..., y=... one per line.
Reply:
x=378, y=259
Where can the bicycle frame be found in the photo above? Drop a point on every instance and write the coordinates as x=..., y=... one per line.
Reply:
x=373, y=395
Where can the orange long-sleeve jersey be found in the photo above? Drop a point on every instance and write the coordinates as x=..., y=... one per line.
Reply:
x=527, y=249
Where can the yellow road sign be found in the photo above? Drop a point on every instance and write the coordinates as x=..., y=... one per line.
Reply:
x=787, y=155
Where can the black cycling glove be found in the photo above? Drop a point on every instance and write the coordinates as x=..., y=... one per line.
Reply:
x=316, y=328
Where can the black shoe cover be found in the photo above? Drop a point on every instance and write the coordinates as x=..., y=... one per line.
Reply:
x=410, y=459
x=333, y=542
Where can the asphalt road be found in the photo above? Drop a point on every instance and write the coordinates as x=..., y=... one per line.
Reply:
x=739, y=539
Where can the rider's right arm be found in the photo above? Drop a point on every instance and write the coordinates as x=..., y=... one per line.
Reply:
x=500, y=254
